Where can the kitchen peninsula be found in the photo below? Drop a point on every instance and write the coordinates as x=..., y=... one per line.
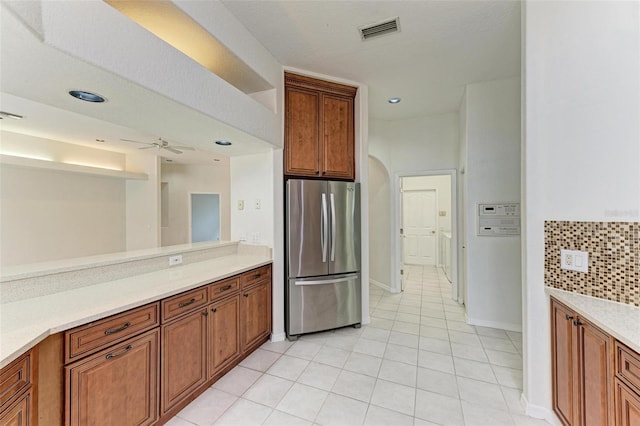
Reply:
x=226, y=287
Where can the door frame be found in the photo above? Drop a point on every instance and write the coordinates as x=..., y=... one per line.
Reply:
x=402, y=225
x=190, y=235
x=396, y=243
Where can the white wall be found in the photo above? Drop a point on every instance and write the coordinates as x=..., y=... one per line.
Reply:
x=581, y=144
x=183, y=179
x=143, y=203
x=417, y=144
x=252, y=181
x=492, y=174
x=379, y=224
x=49, y=215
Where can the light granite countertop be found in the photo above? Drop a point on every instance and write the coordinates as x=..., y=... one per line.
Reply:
x=26, y=322
x=65, y=265
x=620, y=320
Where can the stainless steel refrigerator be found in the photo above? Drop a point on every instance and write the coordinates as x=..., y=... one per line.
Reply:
x=323, y=288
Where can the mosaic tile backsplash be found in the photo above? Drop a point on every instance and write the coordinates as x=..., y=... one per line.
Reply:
x=614, y=259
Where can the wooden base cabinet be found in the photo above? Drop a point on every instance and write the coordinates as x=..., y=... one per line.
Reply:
x=223, y=333
x=627, y=405
x=20, y=412
x=582, y=367
x=184, y=354
x=256, y=314
x=117, y=386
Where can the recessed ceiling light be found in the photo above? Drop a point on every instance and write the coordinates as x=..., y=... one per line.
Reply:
x=223, y=142
x=216, y=159
x=168, y=160
x=394, y=100
x=86, y=96
x=100, y=140
x=4, y=114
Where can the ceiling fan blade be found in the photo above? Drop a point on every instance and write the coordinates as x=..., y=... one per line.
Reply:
x=184, y=148
x=170, y=149
x=144, y=143
x=148, y=147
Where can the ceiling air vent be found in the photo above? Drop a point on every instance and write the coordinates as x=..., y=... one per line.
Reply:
x=387, y=26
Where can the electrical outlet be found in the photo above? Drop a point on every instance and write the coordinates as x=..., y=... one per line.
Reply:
x=258, y=204
x=175, y=260
x=574, y=260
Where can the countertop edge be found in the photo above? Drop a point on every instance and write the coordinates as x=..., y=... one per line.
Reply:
x=30, y=337
x=607, y=324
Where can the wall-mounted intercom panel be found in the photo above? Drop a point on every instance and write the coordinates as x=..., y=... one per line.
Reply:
x=498, y=219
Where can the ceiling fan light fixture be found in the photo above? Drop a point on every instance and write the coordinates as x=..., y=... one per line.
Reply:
x=394, y=100
x=223, y=142
x=83, y=95
x=4, y=114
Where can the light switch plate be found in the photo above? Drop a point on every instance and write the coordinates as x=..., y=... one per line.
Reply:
x=175, y=260
x=574, y=260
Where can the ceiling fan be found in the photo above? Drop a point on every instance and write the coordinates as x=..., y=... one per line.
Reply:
x=162, y=144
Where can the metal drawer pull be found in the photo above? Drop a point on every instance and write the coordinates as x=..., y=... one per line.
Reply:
x=117, y=330
x=577, y=322
x=246, y=295
x=190, y=302
x=214, y=310
x=256, y=276
x=569, y=317
x=205, y=313
x=114, y=355
x=225, y=288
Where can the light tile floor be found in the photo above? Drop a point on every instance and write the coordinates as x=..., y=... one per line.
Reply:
x=418, y=363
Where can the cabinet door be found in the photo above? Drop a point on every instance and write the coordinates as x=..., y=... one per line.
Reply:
x=627, y=406
x=224, y=333
x=596, y=368
x=301, y=140
x=184, y=366
x=118, y=386
x=337, y=137
x=255, y=314
x=563, y=358
x=20, y=413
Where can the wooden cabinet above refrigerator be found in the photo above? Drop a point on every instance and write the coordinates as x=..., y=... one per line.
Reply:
x=319, y=128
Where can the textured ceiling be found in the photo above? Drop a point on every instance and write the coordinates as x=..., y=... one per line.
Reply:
x=441, y=46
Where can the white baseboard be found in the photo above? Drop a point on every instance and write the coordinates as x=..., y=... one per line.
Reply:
x=539, y=412
x=278, y=337
x=380, y=285
x=494, y=324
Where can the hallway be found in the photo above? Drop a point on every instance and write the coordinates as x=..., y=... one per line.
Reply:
x=417, y=363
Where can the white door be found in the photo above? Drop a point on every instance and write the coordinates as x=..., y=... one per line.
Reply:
x=419, y=227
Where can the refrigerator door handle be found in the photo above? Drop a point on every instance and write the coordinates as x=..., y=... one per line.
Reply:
x=323, y=228
x=327, y=281
x=333, y=227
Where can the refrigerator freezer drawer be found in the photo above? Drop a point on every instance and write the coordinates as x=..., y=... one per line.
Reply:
x=323, y=303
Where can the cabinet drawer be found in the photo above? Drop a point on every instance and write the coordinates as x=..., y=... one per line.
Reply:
x=20, y=413
x=255, y=276
x=183, y=303
x=90, y=338
x=15, y=378
x=628, y=365
x=223, y=288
